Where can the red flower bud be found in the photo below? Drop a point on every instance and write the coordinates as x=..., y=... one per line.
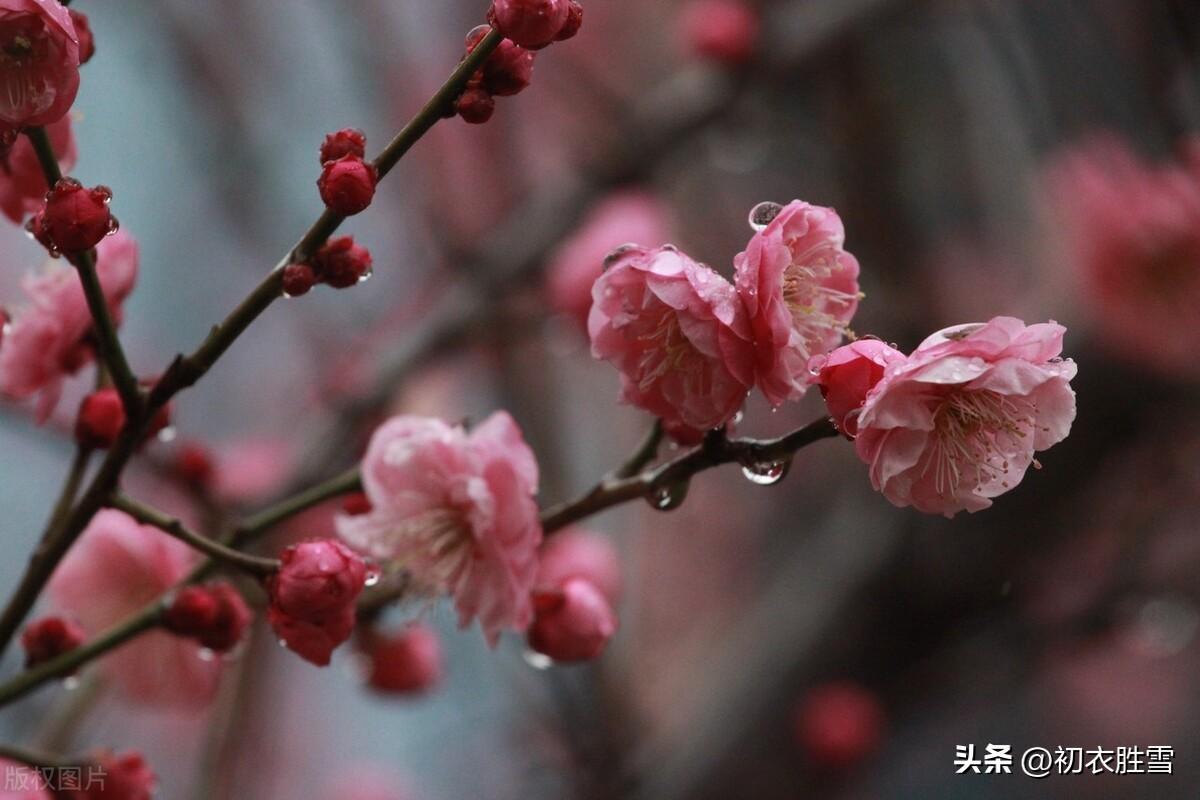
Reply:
x=574, y=21
x=476, y=105
x=83, y=29
x=347, y=141
x=508, y=70
x=216, y=615
x=49, y=638
x=194, y=464
x=573, y=624
x=356, y=504
x=342, y=263
x=125, y=777
x=312, y=597
x=347, y=185
x=101, y=418
x=298, y=279
x=409, y=662
x=530, y=23
x=74, y=218
x=839, y=724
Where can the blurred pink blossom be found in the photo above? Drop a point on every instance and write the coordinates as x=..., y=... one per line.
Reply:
x=725, y=31
x=51, y=338
x=677, y=333
x=958, y=422
x=456, y=509
x=249, y=470
x=22, y=184
x=115, y=568
x=800, y=289
x=1135, y=238
x=21, y=782
x=625, y=216
x=580, y=553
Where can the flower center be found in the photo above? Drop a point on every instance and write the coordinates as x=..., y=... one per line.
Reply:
x=814, y=306
x=436, y=545
x=976, y=433
x=667, y=350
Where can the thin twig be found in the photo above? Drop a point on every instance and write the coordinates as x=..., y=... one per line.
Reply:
x=147, y=515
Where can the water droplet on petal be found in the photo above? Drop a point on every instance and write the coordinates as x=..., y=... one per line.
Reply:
x=373, y=576
x=618, y=253
x=113, y=226
x=766, y=473
x=763, y=215
x=817, y=363
x=205, y=654
x=167, y=434
x=366, y=275
x=537, y=660
x=737, y=418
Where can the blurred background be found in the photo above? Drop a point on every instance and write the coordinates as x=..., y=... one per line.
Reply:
x=800, y=640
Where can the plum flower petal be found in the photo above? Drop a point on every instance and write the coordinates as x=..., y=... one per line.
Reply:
x=39, y=62
x=50, y=339
x=456, y=510
x=22, y=184
x=959, y=421
x=800, y=289
x=678, y=335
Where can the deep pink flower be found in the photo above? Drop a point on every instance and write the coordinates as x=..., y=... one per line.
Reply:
x=677, y=333
x=725, y=31
x=22, y=183
x=39, y=62
x=1134, y=230
x=580, y=553
x=347, y=141
x=958, y=422
x=572, y=623
x=51, y=338
x=347, y=184
x=529, y=23
x=800, y=289
x=408, y=662
x=455, y=509
x=846, y=376
x=100, y=420
x=74, y=218
x=115, y=568
x=572, y=269
x=313, y=597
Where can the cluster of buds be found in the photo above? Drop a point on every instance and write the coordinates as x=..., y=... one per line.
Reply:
x=49, y=638
x=339, y=263
x=215, y=615
x=347, y=182
x=527, y=25
x=74, y=218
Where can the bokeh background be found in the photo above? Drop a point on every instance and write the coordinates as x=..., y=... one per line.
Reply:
x=962, y=142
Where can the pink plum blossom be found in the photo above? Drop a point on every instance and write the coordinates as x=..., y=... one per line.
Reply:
x=50, y=339
x=677, y=333
x=580, y=553
x=22, y=782
x=116, y=567
x=626, y=216
x=846, y=376
x=22, y=184
x=455, y=509
x=800, y=289
x=39, y=62
x=1134, y=231
x=958, y=422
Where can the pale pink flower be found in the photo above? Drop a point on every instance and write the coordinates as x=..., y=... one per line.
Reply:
x=958, y=422
x=22, y=183
x=626, y=216
x=800, y=289
x=677, y=333
x=456, y=510
x=115, y=568
x=39, y=62
x=51, y=338
x=22, y=782
x=1135, y=235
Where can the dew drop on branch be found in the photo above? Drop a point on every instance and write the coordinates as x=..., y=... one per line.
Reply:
x=669, y=497
x=766, y=473
x=539, y=661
